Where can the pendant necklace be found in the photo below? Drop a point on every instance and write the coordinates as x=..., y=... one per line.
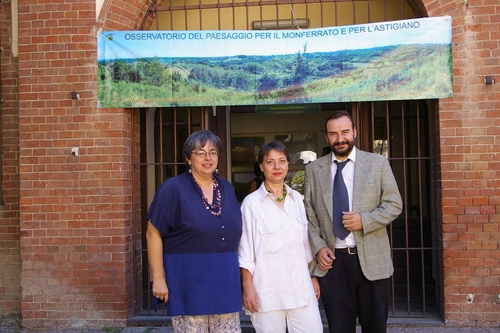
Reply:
x=215, y=208
x=282, y=197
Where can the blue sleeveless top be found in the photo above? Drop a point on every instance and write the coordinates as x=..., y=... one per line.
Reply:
x=200, y=250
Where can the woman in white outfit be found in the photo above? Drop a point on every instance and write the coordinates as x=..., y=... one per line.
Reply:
x=274, y=252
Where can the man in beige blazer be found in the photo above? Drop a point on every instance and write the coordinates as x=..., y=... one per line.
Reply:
x=353, y=271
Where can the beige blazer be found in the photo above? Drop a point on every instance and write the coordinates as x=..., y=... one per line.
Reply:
x=375, y=197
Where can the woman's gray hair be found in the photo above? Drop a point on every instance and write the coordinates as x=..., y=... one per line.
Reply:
x=198, y=140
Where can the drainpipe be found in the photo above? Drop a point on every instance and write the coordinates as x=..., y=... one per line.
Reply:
x=1, y=114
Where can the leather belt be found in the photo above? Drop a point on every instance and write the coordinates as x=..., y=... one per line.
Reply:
x=348, y=250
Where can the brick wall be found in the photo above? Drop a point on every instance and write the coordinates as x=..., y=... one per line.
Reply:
x=10, y=261
x=469, y=126
x=76, y=211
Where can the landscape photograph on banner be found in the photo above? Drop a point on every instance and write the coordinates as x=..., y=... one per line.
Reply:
x=398, y=60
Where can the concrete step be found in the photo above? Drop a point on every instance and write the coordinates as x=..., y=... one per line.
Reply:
x=157, y=319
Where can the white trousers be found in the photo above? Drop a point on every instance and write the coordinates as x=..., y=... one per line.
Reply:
x=300, y=320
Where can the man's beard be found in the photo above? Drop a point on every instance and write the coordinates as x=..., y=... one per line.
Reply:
x=344, y=153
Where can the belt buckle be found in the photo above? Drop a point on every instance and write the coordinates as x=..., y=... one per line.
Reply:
x=349, y=250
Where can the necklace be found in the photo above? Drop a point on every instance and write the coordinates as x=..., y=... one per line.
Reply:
x=282, y=197
x=215, y=208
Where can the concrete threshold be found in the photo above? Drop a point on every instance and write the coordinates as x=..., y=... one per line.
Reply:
x=156, y=320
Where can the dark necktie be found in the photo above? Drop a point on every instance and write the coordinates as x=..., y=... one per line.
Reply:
x=340, y=201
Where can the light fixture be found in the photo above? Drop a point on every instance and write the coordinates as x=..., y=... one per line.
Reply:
x=279, y=24
x=489, y=80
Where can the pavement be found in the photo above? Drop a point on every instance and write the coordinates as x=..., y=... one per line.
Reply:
x=391, y=329
x=144, y=324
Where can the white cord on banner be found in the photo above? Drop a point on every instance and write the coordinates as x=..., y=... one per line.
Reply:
x=294, y=19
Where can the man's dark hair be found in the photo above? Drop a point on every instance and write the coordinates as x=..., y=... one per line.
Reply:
x=337, y=115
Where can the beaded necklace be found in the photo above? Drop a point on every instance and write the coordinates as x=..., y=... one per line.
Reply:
x=216, y=208
x=282, y=197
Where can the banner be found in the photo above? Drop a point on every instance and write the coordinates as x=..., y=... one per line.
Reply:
x=398, y=60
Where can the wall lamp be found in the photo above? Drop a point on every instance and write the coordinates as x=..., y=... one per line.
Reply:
x=489, y=80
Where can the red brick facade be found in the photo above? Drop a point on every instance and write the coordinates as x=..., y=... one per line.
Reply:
x=67, y=221
x=75, y=211
x=469, y=138
x=10, y=261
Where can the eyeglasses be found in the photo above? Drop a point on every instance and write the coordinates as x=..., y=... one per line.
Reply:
x=203, y=154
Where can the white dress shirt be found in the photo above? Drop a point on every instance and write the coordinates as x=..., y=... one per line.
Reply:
x=348, y=175
x=275, y=249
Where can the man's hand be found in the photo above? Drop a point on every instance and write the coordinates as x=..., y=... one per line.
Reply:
x=325, y=258
x=352, y=221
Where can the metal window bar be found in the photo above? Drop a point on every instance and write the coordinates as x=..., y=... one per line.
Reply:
x=1, y=116
x=421, y=222
x=405, y=203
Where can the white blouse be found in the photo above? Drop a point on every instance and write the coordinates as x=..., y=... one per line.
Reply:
x=275, y=249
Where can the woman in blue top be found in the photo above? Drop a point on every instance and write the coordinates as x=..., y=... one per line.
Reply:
x=194, y=228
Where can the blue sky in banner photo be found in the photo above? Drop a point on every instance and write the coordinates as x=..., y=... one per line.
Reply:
x=121, y=44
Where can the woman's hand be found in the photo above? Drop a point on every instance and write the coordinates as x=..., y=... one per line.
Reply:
x=316, y=288
x=160, y=289
x=155, y=257
x=250, y=299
